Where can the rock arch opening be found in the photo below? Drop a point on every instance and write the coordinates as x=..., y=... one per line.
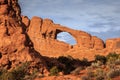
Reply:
x=66, y=37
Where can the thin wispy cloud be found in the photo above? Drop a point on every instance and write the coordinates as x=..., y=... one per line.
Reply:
x=94, y=16
x=66, y=37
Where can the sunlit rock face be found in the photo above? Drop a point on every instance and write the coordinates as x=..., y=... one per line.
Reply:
x=15, y=45
x=43, y=33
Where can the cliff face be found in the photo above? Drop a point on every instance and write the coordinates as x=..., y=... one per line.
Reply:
x=15, y=45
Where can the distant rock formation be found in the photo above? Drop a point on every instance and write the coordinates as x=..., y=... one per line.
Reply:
x=113, y=45
x=15, y=45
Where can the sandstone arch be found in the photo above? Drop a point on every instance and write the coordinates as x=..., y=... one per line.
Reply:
x=43, y=33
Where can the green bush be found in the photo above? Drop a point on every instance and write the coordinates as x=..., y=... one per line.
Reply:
x=85, y=62
x=54, y=71
x=100, y=58
x=64, y=60
x=68, y=62
x=90, y=72
x=77, y=70
x=12, y=75
x=117, y=62
x=112, y=55
x=33, y=75
x=85, y=78
x=113, y=73
x=100, y=74
x=7, y=76
x=96, y=64
x=15, y=74
x=99, y=77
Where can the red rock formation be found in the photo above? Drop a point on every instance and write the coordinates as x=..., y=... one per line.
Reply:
x=113, y=45
x=43, y=33
x=25, y=21
x=15, y=45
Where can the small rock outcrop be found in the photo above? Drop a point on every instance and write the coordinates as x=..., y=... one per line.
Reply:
x=15, y=45
x=113, y=45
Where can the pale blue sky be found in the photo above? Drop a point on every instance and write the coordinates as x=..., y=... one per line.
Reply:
x=98, y=17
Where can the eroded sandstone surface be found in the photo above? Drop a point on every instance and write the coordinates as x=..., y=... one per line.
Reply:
x=15, y=45
x=43, y=33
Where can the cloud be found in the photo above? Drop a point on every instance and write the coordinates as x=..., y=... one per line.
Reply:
x=109, y=34
x=96, y=16
x=66, y=37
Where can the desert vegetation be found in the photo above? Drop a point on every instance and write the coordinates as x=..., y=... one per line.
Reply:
x=18, y=73
x=102, y=68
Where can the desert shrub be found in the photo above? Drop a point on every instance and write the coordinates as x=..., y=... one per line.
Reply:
x=99, y=77
x=90, y=72
x=77, y=70
x=4, y=75
x=12, y=75
x=96, y=64
x=113, y=73
x=7, y=76
x=15, y=74
x=100, y=74
x=69, y=57
x=64, y=59
x=85, y=62
x=54, y=71
x=100, y=58
x=112, y=55
x=68, y=62
x=117, y=62
x=85, y=78
x=33, y=75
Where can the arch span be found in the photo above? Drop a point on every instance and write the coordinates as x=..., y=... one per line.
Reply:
x=43, y=33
